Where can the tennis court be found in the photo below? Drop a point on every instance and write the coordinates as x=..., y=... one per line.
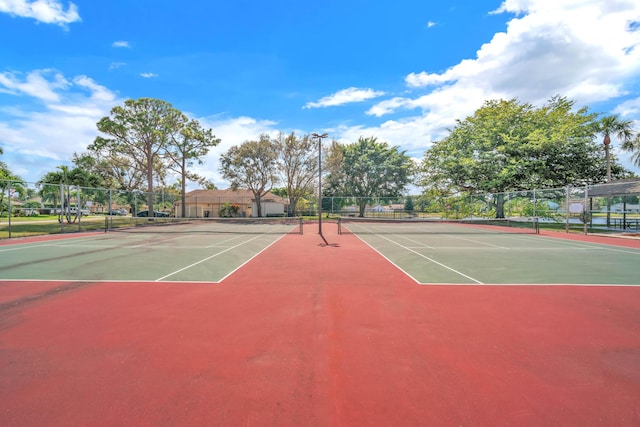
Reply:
x=494, y=252
x=135, y=249
x=184, y=324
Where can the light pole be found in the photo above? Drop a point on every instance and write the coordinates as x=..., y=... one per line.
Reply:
x=319, y=137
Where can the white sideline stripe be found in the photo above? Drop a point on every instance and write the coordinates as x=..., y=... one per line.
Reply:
x=44, y=243
x=244, y=263
x=432, y=260
x=423, y=256
x=207, y=258
x=391, y=262
x=475, y=241
x=219, y=244
x=159, y=241
x=586, y=285
x=577, y=244
x=422, y=245
x=196, y=282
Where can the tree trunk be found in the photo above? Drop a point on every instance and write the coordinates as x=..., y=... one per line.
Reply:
x=183, y=214
x=362, y=206
x=150, y=210
x=293, y=203
x=258, y=200
x=500, y=205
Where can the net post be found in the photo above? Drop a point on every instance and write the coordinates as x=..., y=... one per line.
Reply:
x=339, y=225
x=301, y=226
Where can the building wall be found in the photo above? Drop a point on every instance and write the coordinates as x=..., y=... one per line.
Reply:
x=268, y=208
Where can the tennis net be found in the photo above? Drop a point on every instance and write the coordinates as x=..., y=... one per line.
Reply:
x=268, y=225
x=357, y=225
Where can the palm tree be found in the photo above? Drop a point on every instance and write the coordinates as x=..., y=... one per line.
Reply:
x=50, y=188
x=633, y=146
x=613, y=125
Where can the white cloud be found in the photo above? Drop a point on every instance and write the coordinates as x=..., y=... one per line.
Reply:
x=581, y=49
x=41, y=135
x=40, y=132
x=431, y=24
x=46, y=11
x=120, y=43
x=586, y=50
x=345, y=96
x=148, y=75
x=116, y=65
x=630, y=108
x=40, y=84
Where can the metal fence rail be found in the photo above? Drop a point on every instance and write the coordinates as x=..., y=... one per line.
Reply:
x=41, y=208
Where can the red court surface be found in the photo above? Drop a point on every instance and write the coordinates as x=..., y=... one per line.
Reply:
x=308, y=334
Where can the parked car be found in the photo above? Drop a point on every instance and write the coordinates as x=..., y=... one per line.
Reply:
x=155, y=213
x=117, y=212
x=74, y=211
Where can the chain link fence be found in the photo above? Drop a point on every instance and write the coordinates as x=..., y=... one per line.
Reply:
x=38, y=208
x=589, y=209
x=28, y=209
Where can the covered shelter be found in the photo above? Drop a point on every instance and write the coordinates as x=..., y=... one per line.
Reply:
x=627, y=212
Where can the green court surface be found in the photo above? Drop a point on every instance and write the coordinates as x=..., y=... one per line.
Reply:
x=482, y=256
x=428, y=253
x=144, y=256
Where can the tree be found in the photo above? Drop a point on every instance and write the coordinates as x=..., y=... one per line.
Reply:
x=66, y=178
x=298, y=164
x=116, y=171
x=8, y=180
x=185, y=148
x=633, y=146
x=368, y=169
x=507, y=145
x=408, y=204
x=207, y=184
x=622, y=129
x=252, y=165
x=140, y=131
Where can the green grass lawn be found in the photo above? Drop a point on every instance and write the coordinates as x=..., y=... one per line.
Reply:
x=46, y=224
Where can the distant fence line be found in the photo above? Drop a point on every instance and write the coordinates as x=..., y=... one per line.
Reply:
x=25, y=207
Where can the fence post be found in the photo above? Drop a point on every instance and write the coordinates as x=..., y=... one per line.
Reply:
x=586, y=210
x=9, y=206
x=79, y=208
x=109, y=212
x=62, y=208
x=566, y=214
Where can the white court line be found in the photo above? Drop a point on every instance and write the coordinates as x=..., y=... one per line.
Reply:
x=244, y=263
x=432, y=260
x=159, y=241
x=207, y=258
x=217, y=244
x=567, y=243
x=420, y=255
x=422, y=245
x=475, y=241
x=41, y=244
x=196, y=282
x=391, y=262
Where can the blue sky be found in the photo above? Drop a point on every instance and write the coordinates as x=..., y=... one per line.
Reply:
x=402, y=71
